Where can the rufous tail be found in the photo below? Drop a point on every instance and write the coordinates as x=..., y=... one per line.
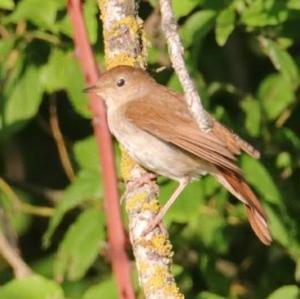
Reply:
x=235, y=184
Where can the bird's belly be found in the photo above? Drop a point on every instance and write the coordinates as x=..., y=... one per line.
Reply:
x=156, y=155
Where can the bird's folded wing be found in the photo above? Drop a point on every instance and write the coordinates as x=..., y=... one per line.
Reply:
x=233, y=142
x=168, y=119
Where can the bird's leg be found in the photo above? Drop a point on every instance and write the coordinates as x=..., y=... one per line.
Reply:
x=158, y=218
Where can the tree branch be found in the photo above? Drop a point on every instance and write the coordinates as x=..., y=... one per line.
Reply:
x=116, y=235
x=125, y=45
x=10, y=252
x=176, y=51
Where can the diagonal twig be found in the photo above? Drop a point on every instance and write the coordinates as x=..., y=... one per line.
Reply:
x=59, y=140
x=176, y=51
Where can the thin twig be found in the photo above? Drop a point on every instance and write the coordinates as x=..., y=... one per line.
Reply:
x=60, y=143
x=13, y=258
x=176, y=51
x=116, y=235
x=21, y=205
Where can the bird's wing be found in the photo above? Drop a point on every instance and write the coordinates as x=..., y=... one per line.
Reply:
x=168, y=119
x=233, y=142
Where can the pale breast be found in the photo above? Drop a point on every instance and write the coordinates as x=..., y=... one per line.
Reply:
x=154, y=154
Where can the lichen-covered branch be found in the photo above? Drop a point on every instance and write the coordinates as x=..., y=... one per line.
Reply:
x=176, y=51
x=125, y=45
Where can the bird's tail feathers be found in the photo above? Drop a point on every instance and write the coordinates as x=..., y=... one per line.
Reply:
x=235, y=184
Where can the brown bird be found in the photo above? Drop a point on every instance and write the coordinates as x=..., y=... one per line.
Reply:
x=154, y=125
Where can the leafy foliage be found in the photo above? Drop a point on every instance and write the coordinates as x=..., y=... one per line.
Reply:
x=243, y=55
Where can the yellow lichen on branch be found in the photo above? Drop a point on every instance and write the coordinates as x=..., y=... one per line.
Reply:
x=125, y=44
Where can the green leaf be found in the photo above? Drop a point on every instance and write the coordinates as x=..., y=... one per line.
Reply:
x=6, y=45
x=41, y=15
x=258, y=176
x=251, y=108
x=52, y=74
x=278, y=229
x=86, y=187
x=86, y=154
x=64, y=26
x=69, y=77
x=284, y=160
x=32, y=287
x=90, y=16
x=291, y=137
x=282, y=61
x=106, y=289
x=286, y=292
x=7, y=4
x=276, y=94
x=208, y=295
x=224, y=25
x=197, y=26
x=24, y=100
x=262, y=13
x=210, y=228
x=183, y=8
x=293, y=4
x=189, y=201
x=74, y=84
x=80, y=246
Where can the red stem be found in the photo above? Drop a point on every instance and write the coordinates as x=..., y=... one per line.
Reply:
x=116, y=234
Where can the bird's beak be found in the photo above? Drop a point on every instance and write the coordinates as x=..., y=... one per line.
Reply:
x=90, y=89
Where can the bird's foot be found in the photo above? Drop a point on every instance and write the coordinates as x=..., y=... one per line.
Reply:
x=146, y=178
x=156, y=221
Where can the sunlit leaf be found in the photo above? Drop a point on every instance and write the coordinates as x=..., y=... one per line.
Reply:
x=225, y=25
x=90, y=16
x=80, y=245
x=279, y=231
x=197, y=26
x=87, y=154
x=69, y=77
x=286, y=292
x=252, y=111
x=105, y=289
x=276, y=94
x=7, y=4
x=293, y=4
x=6, y=45
x=32, y=287
x=259, y=177
x=86, y=187
x=282, y=61
x=261, y=13
x=182, y=8
x=40, y=15
x=23, y=102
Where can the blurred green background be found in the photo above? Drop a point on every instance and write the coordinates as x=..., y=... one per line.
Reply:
x=244, y=56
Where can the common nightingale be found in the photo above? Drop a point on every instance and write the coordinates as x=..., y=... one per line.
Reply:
x=154, y=125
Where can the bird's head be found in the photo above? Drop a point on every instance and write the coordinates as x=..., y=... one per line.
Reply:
x=121, y=84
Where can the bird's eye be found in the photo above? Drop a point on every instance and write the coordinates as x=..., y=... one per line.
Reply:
x=120, y=82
